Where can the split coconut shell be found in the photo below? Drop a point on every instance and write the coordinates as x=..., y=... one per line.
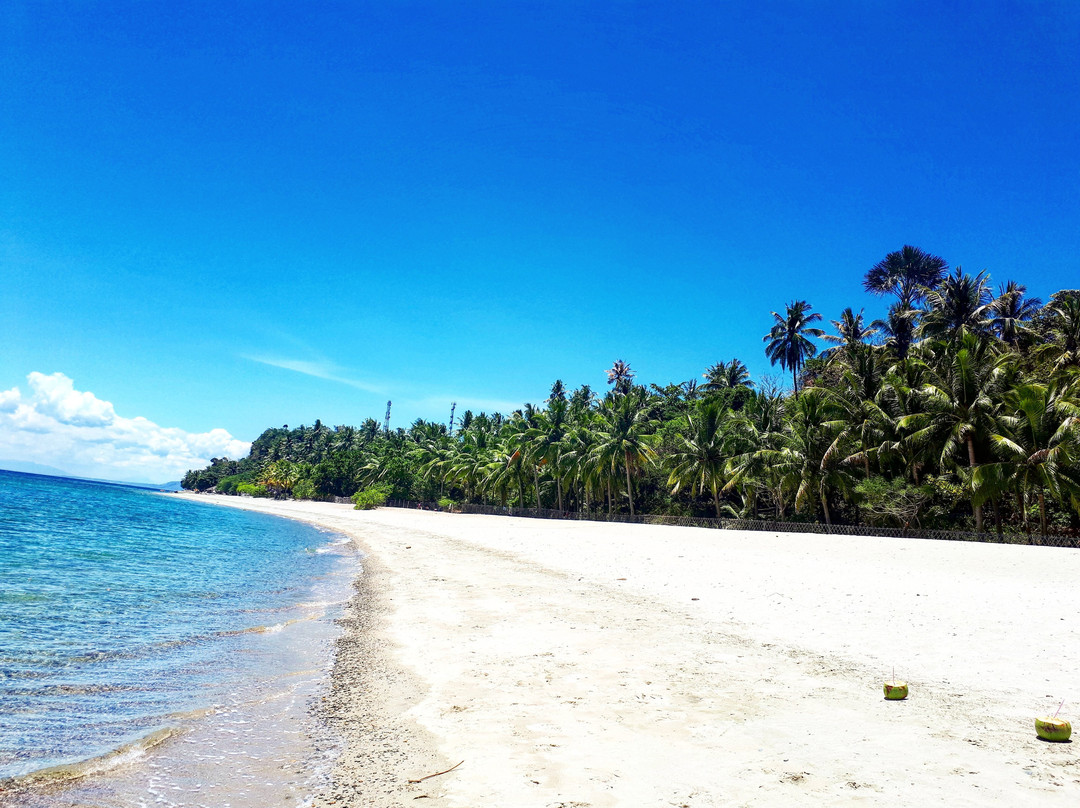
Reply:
x=895, y=691
x=1053, y=729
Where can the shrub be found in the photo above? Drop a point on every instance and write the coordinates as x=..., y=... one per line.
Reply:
x=305, y=489
x=370, y=498
x=447, y=504
x=227, y=485
x=252, y=490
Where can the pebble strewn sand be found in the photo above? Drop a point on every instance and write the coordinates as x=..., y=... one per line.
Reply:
x=590, y=664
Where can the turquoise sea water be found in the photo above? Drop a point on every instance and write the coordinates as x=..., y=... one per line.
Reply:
x=127, y=616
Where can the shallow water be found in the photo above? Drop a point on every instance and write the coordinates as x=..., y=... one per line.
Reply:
x=160, y=651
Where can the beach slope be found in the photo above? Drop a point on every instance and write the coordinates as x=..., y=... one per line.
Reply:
x=593, y=664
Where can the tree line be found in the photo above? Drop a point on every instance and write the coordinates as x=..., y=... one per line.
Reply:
x=959, y=408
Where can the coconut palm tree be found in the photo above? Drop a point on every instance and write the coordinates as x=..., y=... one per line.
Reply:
x=698, y=464
x=1011, y=312
x=578, y=455
x=515, y=433
x=906, y=273
x=898, y=398
x=621, y=376
x=898, y=328
x=724, y=375
x=961, y=403
x=866, y=422
x=809, y=454
x=558, y=392
x=787, y=341
x=1065, y=330
x=960, y=304
x=549, y=447
x=852, y=332
x=759, y=426
x=1038, y=443
x=625, y=437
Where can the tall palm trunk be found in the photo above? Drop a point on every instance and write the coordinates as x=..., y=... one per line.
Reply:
x=536, y=483
x=825, y=506
x=972, y=465
x=558, y=487
x=716, y=499
x=629, y=488
x=1042, y=513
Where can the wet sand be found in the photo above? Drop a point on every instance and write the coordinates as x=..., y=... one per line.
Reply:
x=592, y=664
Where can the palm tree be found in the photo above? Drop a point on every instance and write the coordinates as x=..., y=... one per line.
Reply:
x=961, y=404
x=579, y=457
x=625, y=437
x=788, y=343
x=898, y=398
x=851, y=333
x=906, y=274
x=558, y=392
x=1065, y=329
x=898, y=328
x=621, y=376
x=723, y=375
x=759, y=426
x=961, y=303
x=369, y=430
x=346, y=438
x=866, y=422
x=549, y=446
x=1011, y=312
x=1039, y=446
x=515, y=432
x=809, y=455
x=532, y=441
x=699, y=462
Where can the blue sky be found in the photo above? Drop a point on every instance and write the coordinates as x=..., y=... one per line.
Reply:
x=227, y=216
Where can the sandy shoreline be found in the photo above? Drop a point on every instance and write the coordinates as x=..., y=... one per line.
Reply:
x=591, y=664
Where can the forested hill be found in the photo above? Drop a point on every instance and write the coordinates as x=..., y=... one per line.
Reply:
x=959, y=409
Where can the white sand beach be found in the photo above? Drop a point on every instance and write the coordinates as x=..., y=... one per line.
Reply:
x=593, y=664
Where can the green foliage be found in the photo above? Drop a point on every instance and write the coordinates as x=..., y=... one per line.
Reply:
x=227, y=485
x=305, y=489
x=252, y=490
x=447, y=504
x=370, y=498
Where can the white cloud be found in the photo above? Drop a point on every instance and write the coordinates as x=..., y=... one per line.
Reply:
x=9, y=399
x=57, y=397
x=320, y=370
x=57, y=425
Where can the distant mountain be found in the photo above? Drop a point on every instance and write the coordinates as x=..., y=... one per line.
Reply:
x=27, y=467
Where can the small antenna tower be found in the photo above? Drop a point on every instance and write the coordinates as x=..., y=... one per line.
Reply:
x=453, y=406
x=386, y=420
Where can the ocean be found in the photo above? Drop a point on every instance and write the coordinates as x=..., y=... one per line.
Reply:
x=156, y=651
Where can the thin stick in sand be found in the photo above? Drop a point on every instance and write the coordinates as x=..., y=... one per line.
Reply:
x=428, y=777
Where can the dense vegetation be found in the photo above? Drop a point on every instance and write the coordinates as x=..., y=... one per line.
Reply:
x=958, y=404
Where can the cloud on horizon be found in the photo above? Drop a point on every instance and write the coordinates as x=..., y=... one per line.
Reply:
x=57, y=425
